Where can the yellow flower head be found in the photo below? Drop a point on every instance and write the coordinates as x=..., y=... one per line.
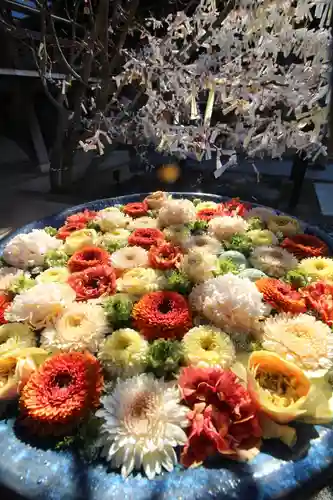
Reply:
x=124, y=353
x=284, y=224
x=117, y=236
x=203, y=205
x=139, y=281
x=79, y=239
x=14, y=336
x=317, y=268
x=262, y=237
x=53, y=275
x=208, y=346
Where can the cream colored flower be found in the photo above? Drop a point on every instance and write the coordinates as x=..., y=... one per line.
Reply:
x=178, y=234
x=140, y=280
x=41, y=304
x=129, y=257
x=116, y=236
x=208, y=346
x=14, y=336
x=8, y=276
x=224, y=227
x=156, y=200
x=260, y=237
x=175, y=212
x=204, y=205
x=273, y=260
x=198, y=265
x=29, y=249
x=262, y=213
x=284, y=224
x=111, y=218
x=317, y=268
x=143, y=422
x=53, y=275
x=82, y=326
x=301, y=339
x=205, y=243
x=142, y=222
x=124, y=353
x=79, y=239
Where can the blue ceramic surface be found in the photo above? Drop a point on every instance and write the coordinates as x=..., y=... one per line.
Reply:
x=49, y=475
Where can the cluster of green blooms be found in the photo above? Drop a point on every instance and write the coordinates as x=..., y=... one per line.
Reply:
x=55, y=258
x=93, y=225
x=178, y=282
x=255, y=223
x=21, y=284
x=297, y=279
x=52, y=231
x=113, y=246
x=118, y=310
x=226, y=266
x=85, y=440
x=198, y=226
x=196, y=201
x=241, y=243
x=165, y=358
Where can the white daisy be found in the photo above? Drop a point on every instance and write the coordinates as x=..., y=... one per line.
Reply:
x=143, y=422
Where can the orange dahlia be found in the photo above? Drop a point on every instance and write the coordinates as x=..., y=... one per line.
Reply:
x=319, y=296
x=145, y=237
x=81, y=217
x=164, y=256
x=137, y=209
x=162, y=315
x=281, y=296
x=88, y=257
x=209, y=213
x=305, y=245
x=93, y=282
x=61, y=393
x=67, y=229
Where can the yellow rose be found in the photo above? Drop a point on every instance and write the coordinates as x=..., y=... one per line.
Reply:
x=79, y=239
x=53, y=275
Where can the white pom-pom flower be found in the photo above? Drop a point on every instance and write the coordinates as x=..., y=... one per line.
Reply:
x=224, y=227
x=28, y=250
x=273, y=260
x=205, y=243
x=129, y=257
x=110, y=218
x=175, y=212
x=199, y=265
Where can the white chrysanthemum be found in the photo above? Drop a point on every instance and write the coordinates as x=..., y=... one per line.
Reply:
x=79, y=239
x=110, y=218
x=15, y=336
x=156, y=199
x=143, y=422
x=124, y=353
x=81, y=327
x=273, y=260
x=203, y=242
x=208, y=346
x=199, y=265
x=301, y=339
x=8, y=275
x=53, y=275
x=224, y=227
x=175, y=212
x=41, y=304
x=140, y=280
x=142, y=222
x=231, y=303
x=178, y=234
x=117, y=236
x=129, y=257
x=28, y=250
x=262, y=213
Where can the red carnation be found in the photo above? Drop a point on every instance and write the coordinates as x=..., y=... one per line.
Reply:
x=164, y=256
x=93, y=282
x=81, y=217
x=234, y=207
x=88, y=257
x=209, y=213
x=137, y=209
x=145, y=237
x=319, y=296
x=305, y=245
x=67, y=229
x=4, y=304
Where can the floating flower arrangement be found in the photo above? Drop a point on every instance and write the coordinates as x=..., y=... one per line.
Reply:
x=177, y=329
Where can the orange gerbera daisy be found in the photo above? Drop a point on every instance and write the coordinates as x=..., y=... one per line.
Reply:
x=61, y=393
x=305, y=245
x=319, y=296
x=281, y=296
x=162, y=315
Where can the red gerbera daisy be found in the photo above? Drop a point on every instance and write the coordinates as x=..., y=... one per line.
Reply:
x=319, y=296
x=88, y=257
x=61, y=393
x=67, y=229
x=137, y=209
x=164, y=256
x=81, y=217
x=93, y=282
x=209, y=213
x=234, y=207
x=5, y=302
x=162, y=315
x=281, y=296
x=145, y=237
x=305, y=245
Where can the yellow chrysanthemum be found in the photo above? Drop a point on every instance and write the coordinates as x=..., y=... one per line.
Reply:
x=284, y=224
x=300, y=339
x=111, y=218
x=262, y=237
x=124, y=353
x=139, y=281
x=118, y=236
x=208, y=346
x=317, y=268
x=14, y=336
x=198, y=265
x=204, y=205
x=53, y=275
x=79, y=239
